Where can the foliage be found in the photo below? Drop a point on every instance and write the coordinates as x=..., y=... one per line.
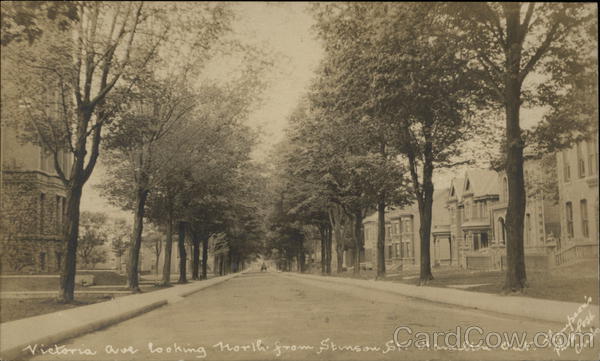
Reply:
x=93, y=236
x=25, y=20
x=119, y=234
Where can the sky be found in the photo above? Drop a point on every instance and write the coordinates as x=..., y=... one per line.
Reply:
x=283, y=29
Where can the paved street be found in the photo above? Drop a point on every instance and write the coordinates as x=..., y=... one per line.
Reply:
x=261, y=316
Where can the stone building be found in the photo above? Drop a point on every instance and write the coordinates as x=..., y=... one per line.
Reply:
x=578, y=189
x=33, y=206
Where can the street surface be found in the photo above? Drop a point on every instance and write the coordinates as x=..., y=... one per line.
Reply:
x=259, y=316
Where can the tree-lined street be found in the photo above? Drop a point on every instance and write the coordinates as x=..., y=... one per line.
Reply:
x=426, y=149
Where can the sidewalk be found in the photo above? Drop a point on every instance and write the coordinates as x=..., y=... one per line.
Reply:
x=531, y=308
x=55, y=327
x=46, y=294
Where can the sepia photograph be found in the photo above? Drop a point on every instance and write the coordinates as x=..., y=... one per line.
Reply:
x=264, y=180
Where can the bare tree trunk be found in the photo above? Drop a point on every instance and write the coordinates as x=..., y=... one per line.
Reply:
x=136, y=241
x=328, y=251
x=339, y=253
x=357, y=233
x=516, y=277
x=71, y=232
x=301, y=258
x=166, y=279
x=156, y=264
x=182, y=254
x=323, y=232
x=381, y=239
x=205, y=258
x=196, y=257
x=425, y=203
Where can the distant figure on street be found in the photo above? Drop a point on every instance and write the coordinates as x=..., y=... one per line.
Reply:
x=263, y=267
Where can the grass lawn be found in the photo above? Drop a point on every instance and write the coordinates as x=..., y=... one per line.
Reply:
x=14, y=309
x=570, y=283
x=32, y=283
x=102, y=278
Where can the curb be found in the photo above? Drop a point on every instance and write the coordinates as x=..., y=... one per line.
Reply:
x=17, y=335
x=565, y=313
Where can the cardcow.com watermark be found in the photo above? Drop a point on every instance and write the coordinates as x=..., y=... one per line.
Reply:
x=578, y=334
x=476, y=338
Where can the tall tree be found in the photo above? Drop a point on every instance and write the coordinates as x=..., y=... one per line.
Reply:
x=412, y=80
x=137, y=148
x=521, y=51
x=65, y=81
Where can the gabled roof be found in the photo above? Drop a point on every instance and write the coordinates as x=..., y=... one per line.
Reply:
x=481, y=182
x=456, y=189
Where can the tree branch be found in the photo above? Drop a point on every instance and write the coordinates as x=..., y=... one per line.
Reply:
x=524, y=28
x=539, y=52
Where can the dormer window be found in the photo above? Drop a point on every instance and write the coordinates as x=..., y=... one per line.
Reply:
x=452, y=192
x=468, y=186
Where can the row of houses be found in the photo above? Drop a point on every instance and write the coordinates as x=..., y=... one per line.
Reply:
x=468, y=227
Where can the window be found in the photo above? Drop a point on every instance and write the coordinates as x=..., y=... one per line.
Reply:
x=569, y=214
x=584, y=218
x=468, y=185
x=566, y=167
x=58, y=213
x=406, y=250
x=397, y=228
x=504, y=189
x=580, y=161
x=484, y=240
x=592, y=153
x=58, y=260
x=408, y=225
